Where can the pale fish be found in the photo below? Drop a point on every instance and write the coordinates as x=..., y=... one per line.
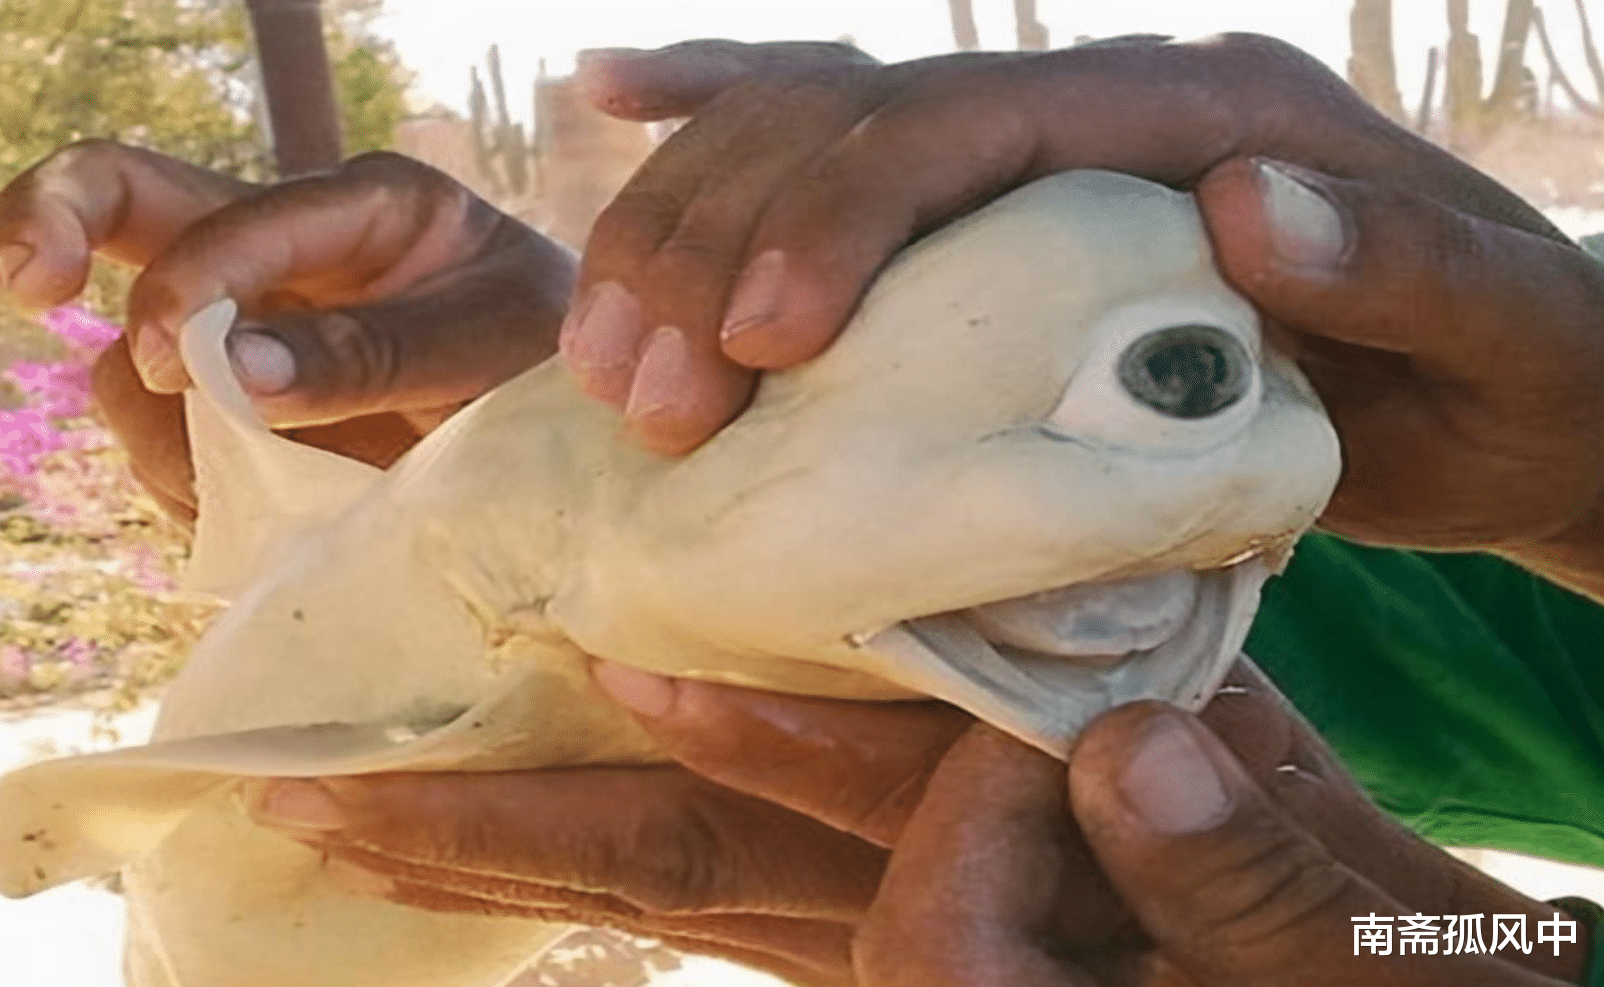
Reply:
x=1044, y=471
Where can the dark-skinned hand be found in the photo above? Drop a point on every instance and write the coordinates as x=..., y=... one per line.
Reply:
x=1452, y=332
x=765, y=843
x=380, y=297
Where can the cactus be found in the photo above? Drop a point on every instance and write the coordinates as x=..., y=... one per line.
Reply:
x=1472, y=118
x=505, y=157
x=1372, y=69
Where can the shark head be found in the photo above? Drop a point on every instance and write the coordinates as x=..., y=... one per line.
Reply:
x=1044, y=471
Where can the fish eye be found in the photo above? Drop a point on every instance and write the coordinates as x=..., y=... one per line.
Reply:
x=1187, y=371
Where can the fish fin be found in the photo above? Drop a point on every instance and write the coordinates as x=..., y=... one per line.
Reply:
x=257, y=490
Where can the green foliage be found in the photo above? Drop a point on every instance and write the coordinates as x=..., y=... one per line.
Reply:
x=176, y=76
x=369, y=80
x=161, y=73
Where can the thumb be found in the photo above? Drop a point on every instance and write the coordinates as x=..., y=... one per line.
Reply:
x=1229, y=888
x=421, y=355
x=677, y=80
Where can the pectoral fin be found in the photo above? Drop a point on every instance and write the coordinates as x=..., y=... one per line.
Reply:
x=257, y=490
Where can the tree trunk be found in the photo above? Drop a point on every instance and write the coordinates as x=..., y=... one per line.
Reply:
x=1032, y=33
x=1372, y=69
x=297, y=83
x=964, y=33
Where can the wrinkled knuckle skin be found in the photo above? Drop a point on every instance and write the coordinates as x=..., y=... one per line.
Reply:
x=675, y=853
x=634, y=223
x=689, y=258
x=1263, y=905
x=341, y=359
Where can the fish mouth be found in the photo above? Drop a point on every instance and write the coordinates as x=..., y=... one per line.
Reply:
x=1042, y=666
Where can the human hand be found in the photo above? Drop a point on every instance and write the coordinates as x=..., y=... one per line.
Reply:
x=378, y=297
x=1238, y=873
x=763, y=844
x=662, y=852
x=1447, y=325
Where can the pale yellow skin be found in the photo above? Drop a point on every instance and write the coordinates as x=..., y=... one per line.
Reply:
x=963, y=443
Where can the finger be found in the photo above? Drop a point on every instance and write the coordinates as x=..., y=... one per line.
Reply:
x=861, y=768
x=660, y=839
x=658, y=264
x=1362, y=272
x=805, y=951
x=150, y=428
x=1165, y=112
x=436, y=347
x=97, y=196
x=989, y=871
x=1231, y=890
x=1267, y=735
x=1297, y=770
x=683, y=388
x=677, y=80
x=369, y=231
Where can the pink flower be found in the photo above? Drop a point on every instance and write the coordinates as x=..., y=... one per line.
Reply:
x=26, y=436
x=60, y=390
x=78, y=651
x=83, y=332
x=143, y=568
x=14, y=664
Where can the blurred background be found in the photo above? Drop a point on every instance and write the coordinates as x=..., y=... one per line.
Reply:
x=90, y=625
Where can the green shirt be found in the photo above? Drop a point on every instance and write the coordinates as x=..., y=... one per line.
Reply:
x=1465, y=694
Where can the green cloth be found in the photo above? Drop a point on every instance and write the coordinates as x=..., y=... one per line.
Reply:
x=1465, y=694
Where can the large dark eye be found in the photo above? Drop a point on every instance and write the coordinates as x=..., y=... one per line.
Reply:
x=1189, y=371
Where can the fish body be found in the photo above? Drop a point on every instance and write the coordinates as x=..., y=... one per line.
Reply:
x=1044, y=471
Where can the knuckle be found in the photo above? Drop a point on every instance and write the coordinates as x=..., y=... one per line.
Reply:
x=88, y=154
x=634, y=223
x=1252, y=908
x=693, y=262
x=68, y=167
x=1264, y=53
x=675, y=850
x=389, y=168
x=339, y=357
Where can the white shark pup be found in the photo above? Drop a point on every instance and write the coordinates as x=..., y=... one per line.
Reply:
x=1043, y=472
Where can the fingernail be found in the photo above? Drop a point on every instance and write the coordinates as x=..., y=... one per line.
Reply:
x=13, y=256
x=605, y=331
x=1170, y=782
x=157, y=361
x=756, y=299
x=263, y=364
x=294, y=804
x=640, y=692
x=662, y=378
x=1306, y=229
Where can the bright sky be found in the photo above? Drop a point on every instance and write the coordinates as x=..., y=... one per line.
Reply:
x=440, y=39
